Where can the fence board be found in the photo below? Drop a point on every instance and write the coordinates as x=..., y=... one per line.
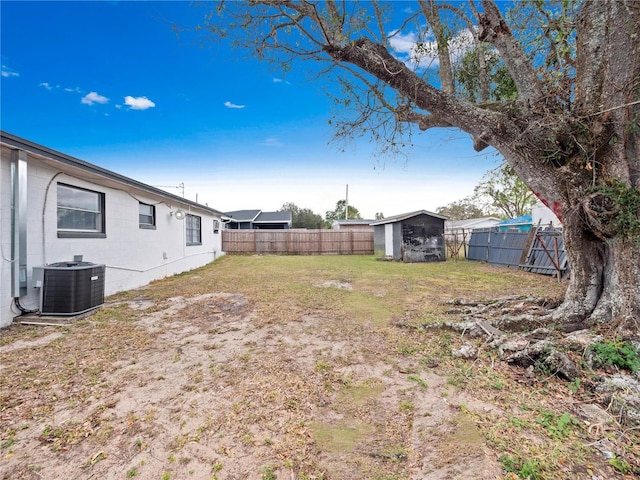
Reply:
x=546, y=254
x=505, y=248
x=298, y=242
x=479, y=244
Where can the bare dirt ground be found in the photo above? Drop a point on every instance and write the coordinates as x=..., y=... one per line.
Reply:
x=178, y=382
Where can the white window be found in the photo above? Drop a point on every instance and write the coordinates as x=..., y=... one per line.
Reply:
x=80, y=212
x=194, y=230
x=216, y=226
x=147, y=215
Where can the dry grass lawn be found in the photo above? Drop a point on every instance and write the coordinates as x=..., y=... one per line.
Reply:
x=290, y=368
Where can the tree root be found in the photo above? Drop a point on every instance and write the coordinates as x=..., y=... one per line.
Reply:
x=525, y=333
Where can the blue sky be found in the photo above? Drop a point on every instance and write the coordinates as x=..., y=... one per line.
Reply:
x=112, y=84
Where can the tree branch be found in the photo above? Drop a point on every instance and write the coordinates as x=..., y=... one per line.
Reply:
x=590, y=38
x=433, y=17
x=494, y=29
x=404, y=113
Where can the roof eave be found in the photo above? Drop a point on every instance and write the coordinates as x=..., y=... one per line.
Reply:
x=13, y=141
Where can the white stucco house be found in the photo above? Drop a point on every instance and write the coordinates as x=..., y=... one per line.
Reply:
x=56, y=208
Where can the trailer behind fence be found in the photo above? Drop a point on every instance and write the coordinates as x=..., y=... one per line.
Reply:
x=298, y=242
x=541, y=250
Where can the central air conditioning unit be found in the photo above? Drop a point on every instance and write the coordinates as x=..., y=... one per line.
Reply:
x=69, y=288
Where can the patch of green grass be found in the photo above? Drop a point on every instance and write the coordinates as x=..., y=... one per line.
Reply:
x=418, y=380
x=341, y=438
x=620, y=465
x=132, y=472
x=406, y=406
x=356, y=395
x=268, y=472
x=322, y=366
x=10, y=440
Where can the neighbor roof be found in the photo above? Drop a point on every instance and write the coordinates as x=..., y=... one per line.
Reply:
x=404, y=216
x=242, y=215
x=470, y=222
x=273, y=217
x=521, y=220
x=352, y=221
x=33, y=148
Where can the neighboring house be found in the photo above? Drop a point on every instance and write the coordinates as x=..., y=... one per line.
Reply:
x=470, y=223
x=56, y=208
x=458, y=232
x=522, y=223
x=544, y=216
x=410, y=237
x=352, y=224
x=257, y=219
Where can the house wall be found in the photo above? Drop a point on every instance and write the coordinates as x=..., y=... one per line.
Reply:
x=133, y=256
x=351, y=226
x=423, y=239
x=544, y=216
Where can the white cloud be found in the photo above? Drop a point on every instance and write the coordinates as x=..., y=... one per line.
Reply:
x=7, y=72
x=232, y=105
x=403, y=43
x=45, y=85
x=271, y=142
x=93, y=97
x=418, y=51
x=280, y=80
x=138, y=103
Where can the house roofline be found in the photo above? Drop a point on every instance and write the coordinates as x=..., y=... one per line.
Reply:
x=13, y=141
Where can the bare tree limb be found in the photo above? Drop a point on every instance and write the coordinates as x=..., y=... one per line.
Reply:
x=495, y=30
x=432, y=14
x=592, y=25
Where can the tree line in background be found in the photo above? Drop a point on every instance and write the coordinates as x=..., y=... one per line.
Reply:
x=306, y=218
x=500, y=193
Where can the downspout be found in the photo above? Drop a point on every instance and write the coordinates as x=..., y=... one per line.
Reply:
x=19, y=227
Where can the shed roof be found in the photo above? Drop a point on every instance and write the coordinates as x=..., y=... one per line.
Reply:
x=13, y=141
x=405, y=216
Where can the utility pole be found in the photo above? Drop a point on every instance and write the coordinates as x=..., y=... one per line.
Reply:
x=346, y=207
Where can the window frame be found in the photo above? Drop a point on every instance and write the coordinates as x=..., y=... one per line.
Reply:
x=100, y=221
x=144, y=225
x=190, y=229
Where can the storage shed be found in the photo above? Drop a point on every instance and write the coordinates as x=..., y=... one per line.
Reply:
x=410, y=237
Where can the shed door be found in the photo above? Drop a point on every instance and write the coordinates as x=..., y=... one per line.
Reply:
x=388, y=240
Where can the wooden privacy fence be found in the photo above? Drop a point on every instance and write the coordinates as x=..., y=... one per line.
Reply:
x=539, y=250
x=298, y=242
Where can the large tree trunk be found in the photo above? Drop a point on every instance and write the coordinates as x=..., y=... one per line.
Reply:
x=605, y=278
